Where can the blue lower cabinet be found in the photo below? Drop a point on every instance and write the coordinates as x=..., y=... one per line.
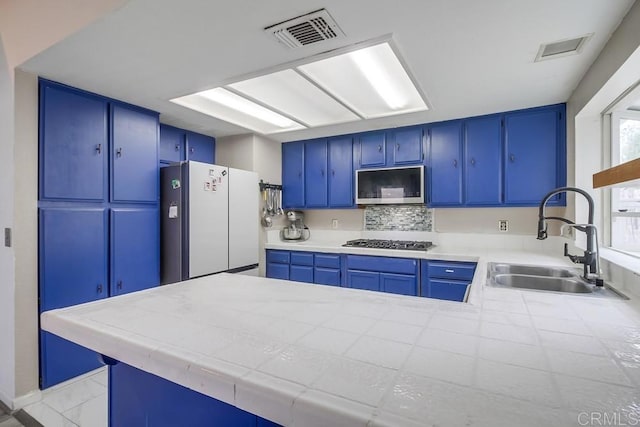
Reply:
x=403, y=284
x=301, y=258
x=368, y=280
x=277, y=271
x=137, y=398
x=326, y=276
x=301, y=273
x=446, y=280
x=452, y=290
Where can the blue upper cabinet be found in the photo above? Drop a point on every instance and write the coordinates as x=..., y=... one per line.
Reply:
x=445, y=166
x=482, y=152
x=172, y=144
x=135, y=249
x=534, y=155
x=406, y=146
x=73, y=144
x=315, y=173
x=200, y=148
x=372, y=149
x=340, y=172
x=134, y=155
x=293, y=175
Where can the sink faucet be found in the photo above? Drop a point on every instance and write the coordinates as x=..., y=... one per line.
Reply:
x=590, y=257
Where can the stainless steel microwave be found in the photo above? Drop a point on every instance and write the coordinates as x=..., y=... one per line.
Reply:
x=390, y=185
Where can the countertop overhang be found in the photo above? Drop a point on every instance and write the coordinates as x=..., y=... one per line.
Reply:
x=302, y=354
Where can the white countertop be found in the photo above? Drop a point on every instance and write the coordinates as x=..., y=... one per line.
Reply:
x=313, y=355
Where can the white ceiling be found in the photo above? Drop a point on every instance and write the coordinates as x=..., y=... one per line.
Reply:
x=469, y=57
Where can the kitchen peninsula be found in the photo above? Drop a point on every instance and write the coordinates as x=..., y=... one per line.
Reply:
x=312, y=355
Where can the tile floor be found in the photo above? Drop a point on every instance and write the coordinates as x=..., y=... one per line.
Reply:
x=7, y=420
x=81, y=402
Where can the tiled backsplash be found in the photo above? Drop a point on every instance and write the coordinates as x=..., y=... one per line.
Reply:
x=398, y=217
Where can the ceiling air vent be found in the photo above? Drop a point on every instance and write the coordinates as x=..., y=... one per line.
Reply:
x=306, y=29
x=562, y=48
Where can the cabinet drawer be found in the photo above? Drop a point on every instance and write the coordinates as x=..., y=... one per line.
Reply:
x=327, y=260
x=363, y=280
x=451, y=270
x=447, y=289
x=380, y=264
x=280, y=257
x=326, y=276
x=277, y=271
x=302, y=258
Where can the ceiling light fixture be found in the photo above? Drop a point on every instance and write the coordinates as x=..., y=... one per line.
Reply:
x=243, y=105
x=376, y=73
x=326, y=91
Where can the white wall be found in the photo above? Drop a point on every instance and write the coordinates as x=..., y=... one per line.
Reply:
x=235, y=151
x=26, y=232
x=7, y=281
x=615, y=70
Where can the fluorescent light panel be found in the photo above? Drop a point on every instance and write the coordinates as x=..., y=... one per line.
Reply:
x=225, y=105
x=366, y=83
x=287, y=91
x=355, y=76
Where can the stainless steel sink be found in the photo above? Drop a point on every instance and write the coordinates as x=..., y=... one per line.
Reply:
x=533, y=270
x=547, y=279
x=541, y=283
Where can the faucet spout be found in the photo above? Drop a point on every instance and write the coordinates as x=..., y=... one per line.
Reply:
x=590, y=257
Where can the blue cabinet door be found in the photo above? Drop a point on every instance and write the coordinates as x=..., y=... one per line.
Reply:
x=403, y=284
x=277, y=271
x=452, y=290
x=372, y=149
x=483, y=161
x=407, y=146
x=137, y=398
x=73, y=144
x=172, y=141
x=341, y=172
x=134, y=155
x=368, y=280
x=301, y=273
x=73, y=270
x=293, y=175
x=135, y=249
x=445, y=174
x=200, y=148
x=315, y=173
x=532, y=154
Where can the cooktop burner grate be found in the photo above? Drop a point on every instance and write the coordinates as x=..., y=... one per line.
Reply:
x=409, y=245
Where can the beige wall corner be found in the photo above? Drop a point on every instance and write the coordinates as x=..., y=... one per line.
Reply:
x=30, y=26
x=26, y=232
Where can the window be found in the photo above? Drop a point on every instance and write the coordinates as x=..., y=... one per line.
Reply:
x=625, y=201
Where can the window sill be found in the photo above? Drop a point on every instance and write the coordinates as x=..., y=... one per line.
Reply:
x=626, y=261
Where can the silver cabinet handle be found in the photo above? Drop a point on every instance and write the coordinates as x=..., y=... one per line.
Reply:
x=379, y=148
x=512, y=158
x=473, y=161
x=119, y=152
x=455, y=163
x=448, y=270
x=99, y=148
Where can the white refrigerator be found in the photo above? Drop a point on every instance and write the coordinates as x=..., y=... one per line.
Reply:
x=210, y=221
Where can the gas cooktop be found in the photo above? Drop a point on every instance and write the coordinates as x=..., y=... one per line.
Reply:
x=409, y=245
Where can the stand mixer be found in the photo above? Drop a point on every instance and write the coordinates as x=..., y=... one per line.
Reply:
x=296, y=230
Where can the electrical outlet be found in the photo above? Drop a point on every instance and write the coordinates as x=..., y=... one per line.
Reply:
x=334, y=223
x=503, y=225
